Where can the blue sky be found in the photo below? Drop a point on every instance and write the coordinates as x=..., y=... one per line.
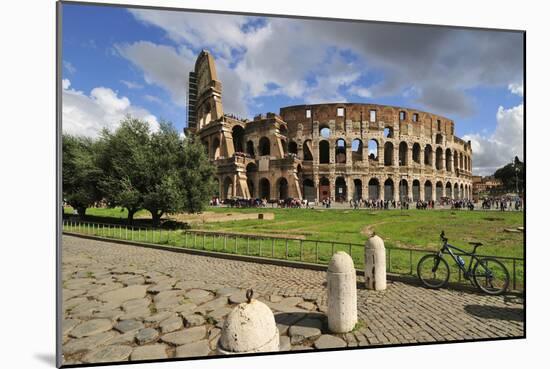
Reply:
x=119, y=61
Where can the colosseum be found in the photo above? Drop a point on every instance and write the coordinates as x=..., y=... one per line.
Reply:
x=336, y=151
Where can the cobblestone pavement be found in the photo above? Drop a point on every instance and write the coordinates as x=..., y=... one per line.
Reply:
x=123, y=302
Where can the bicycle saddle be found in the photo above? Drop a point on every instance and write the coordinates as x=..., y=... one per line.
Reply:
x=475, y=243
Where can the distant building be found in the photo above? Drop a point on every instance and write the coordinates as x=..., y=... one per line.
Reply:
x=486, y=186
x=337, y=151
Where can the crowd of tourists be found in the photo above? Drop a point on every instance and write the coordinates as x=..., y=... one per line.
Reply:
x=486, y=204
x=502, y=204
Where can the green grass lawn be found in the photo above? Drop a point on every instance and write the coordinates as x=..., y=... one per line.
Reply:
x=408, y=229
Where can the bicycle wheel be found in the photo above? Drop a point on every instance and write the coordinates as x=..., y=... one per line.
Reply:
x=433, y=271
x=491, y=276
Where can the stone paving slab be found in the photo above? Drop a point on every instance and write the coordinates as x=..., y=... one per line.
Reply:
x=124, y=302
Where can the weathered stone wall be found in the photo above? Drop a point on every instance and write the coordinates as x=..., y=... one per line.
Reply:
x=413, y=155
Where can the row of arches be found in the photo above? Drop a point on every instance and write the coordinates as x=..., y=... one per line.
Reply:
x=375, y=189
x=393, y=190
x=326, y=132
x=443, y=159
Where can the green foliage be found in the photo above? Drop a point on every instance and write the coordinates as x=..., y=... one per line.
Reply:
x=81, y=173
x=197, y=175
x=124, y=159
x=510, y=174
x=156, y=171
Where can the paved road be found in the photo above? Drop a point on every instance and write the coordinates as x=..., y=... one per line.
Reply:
x=125, y=302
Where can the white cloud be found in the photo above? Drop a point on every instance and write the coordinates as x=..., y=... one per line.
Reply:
x=217, y=32
x=360, y=91
x=506, y=142
x=153, y=99
x=169, y=68
x=87, y=115
x=131, y=85
x=69, y=67
x=162, y=65
x=290, y=57
x=516, y=88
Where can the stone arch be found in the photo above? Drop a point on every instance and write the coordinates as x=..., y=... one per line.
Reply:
x=428, y=152
x=439, y=158
x=340, y=151
x=428, y=190
x=308, y=189
x=238, y=138
x=448, y=190
x=373, y=149
x=416, y=190
x=448, y=160
x=216, y=187
x=206, y=115
x=455, y=191
x=282, y=188
x=293, y=148
x=251, y=169
x=388, y=189
x=416, y=153
x=324, y=131
x=461, y=191
x=227, y=188
x=403, y=152
x=438, y=190
x=265, y=146
x=341, y=189
x=324, y=188
x=403, y=190
x=439, y=139
x=265, y=189
x=251, y=187
x=358, y=189
x=374, y=189
x=284, y=145
x=388, y=154
x=356, y=150
x=250, y=148
x=324, y=152
x=455, y=159
x=306, y=147
x=461, y=161
x=216, y=150
x=388, y=132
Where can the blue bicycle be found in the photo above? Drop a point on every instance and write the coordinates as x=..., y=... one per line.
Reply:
x=488, y=274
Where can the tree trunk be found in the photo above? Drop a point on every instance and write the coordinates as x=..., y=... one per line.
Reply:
x=81, y=212
x=156, y=217
x=131, y=213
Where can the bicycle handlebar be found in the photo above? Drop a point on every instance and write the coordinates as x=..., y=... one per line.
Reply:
x=442, y=236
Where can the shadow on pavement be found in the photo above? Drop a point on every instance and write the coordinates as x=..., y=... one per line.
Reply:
x=312, y=320
x=495, y=312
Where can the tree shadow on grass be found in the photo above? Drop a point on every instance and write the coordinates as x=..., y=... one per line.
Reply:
x=495, y=312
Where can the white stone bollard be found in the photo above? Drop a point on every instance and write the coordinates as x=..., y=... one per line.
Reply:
x=249, y=327
x=375, y=264
x=342, y=293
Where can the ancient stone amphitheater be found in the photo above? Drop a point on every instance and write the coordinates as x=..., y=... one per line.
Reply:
x=337, y=151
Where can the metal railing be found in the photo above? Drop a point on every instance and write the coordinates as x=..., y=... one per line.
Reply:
x=399, y=260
